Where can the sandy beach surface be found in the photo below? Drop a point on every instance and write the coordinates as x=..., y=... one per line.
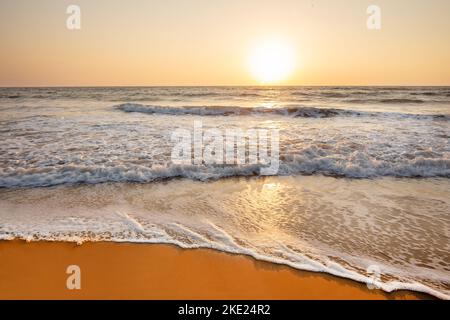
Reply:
x=37, y=270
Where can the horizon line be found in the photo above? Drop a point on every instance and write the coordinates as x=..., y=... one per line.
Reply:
x=215, y=86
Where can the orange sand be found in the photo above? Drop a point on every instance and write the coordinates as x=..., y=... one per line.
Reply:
x=141, y=271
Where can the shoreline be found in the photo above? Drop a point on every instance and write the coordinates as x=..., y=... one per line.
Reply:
x=112, y=270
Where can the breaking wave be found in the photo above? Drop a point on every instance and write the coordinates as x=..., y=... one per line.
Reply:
x=293, y=111
x=358, y=166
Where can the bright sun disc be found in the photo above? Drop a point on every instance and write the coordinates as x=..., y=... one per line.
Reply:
x=272, y=62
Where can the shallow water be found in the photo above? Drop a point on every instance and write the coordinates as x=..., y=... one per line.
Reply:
x=344, y=227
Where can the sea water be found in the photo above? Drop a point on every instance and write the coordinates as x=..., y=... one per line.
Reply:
x=362, y=190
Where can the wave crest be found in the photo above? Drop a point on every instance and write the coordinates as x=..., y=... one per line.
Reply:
x=293, y=111
x=359, y=165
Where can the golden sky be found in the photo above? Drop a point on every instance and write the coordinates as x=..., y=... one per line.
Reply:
x=209, y=42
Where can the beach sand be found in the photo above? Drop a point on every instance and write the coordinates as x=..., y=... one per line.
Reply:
x=37, y=270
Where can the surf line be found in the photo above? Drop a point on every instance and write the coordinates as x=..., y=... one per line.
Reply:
x=212, y=147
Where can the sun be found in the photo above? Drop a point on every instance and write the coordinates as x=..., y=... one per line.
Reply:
x=271, y=61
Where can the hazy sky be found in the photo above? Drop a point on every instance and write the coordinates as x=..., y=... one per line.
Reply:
x=208, y=42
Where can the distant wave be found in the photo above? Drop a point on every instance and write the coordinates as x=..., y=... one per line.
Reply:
x=386, y=101
x=216, y=94
x=373, y=97
x=195, y=94
x=325, y=94
x=398, y=100
x=425, y=93
x=293, y=111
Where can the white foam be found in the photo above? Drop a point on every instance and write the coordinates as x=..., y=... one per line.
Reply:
x=308, y=223
x=307, y=163
x=288, y=110
x=301, y=262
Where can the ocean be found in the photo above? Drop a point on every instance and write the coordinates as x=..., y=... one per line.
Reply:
x=361, y=191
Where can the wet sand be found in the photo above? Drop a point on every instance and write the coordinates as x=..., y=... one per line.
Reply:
x=37, y=270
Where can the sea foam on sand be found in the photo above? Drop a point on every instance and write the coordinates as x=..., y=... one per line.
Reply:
x=338, y=226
